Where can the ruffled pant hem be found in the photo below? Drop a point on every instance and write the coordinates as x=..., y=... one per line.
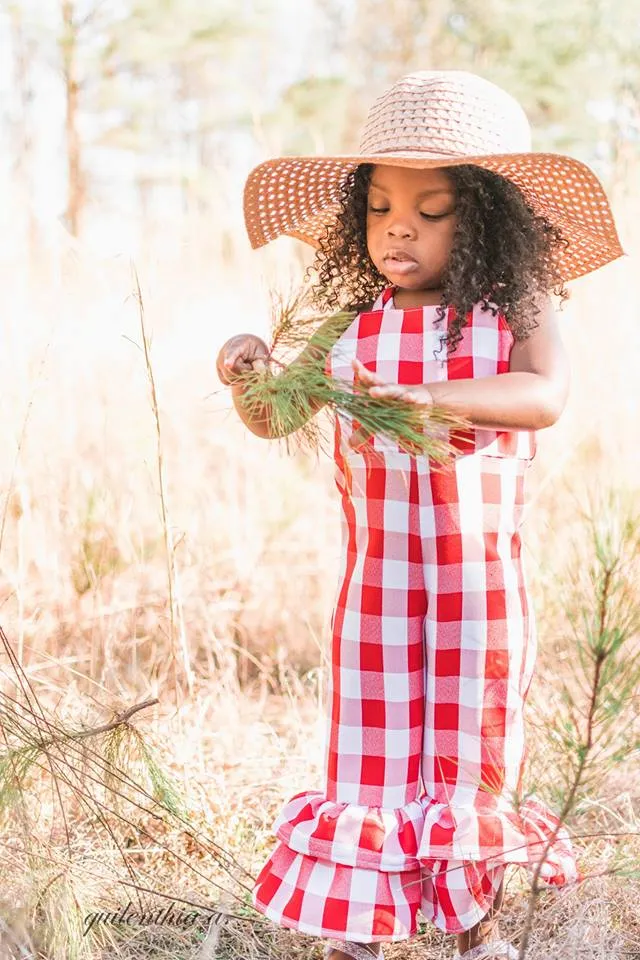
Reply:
x=326, y=899
x=341, y=915
x=424, y=832
x=362, y=873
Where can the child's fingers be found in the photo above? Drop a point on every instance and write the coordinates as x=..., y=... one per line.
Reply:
x=240, y=361
x=364, y=375
x=233, y=357
x=388, y=391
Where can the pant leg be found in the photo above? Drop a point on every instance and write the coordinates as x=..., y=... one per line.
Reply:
x=346, y=862
x=480, y=650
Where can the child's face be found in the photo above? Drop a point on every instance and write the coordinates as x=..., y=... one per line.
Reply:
x=410, y=225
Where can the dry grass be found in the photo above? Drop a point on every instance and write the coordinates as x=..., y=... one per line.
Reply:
x=84, y=593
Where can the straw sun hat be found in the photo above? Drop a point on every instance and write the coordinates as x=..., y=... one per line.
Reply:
x=440, y=118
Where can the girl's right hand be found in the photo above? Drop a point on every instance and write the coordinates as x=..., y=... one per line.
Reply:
x=240, y=354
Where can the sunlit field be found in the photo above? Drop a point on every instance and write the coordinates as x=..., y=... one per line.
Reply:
x=197, y=564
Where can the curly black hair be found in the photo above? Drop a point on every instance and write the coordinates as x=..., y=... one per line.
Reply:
x=502, y=253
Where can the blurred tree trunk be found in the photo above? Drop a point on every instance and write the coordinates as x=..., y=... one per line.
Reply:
x=624, y=140
x=21, y=128
x=75, y=175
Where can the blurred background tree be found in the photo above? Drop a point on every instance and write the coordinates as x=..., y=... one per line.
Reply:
x=152, y=81
x=162, y=104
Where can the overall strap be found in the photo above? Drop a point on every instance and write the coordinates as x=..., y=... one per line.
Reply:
x=384, y=299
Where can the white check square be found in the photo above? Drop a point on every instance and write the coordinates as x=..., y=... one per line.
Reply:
x=349, y=739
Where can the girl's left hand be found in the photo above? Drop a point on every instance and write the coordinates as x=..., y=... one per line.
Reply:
x=378, y=388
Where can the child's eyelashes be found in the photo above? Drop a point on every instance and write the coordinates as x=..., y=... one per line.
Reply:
x=425, y=216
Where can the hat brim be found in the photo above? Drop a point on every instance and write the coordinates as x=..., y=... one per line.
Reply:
x=299, y=197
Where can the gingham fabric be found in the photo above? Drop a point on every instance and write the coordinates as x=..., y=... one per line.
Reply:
x=433, y=649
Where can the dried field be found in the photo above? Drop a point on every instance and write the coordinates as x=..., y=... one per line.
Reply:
x=238, y=665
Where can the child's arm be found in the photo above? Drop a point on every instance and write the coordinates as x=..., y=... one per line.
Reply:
x=530, y=396
x=243, y=352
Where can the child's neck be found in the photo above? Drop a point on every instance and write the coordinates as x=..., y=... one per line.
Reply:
x=404, y=299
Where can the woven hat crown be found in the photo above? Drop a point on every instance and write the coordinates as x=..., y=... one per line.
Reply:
x=445, y=113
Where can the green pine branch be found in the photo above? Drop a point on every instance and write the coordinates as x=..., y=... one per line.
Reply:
x=290, y=395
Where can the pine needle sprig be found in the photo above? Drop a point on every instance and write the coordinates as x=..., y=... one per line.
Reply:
x=293, y=321
x=289, y=396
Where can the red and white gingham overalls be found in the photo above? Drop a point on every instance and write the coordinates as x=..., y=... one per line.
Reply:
x=433, y=648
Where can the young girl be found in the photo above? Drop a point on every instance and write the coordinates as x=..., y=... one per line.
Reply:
x=448, y=234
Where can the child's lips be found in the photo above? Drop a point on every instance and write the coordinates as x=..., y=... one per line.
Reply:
x=400, y=263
